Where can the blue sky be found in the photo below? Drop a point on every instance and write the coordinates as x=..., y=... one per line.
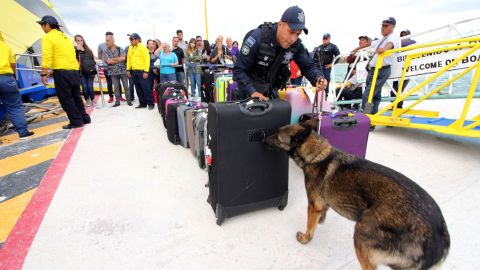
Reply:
x=345, y=20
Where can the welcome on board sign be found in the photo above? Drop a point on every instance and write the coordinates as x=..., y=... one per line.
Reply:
x=432, y=62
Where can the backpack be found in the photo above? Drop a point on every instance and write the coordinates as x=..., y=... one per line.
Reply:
x=88, y=65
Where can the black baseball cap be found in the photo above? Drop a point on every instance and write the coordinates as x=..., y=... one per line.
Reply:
x=326, y=36
x=295, y=18
x=390, y=20
x=48, y=19
x=364, y=37
x=134, y=36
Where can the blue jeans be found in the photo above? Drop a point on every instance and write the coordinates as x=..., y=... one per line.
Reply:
x=87, y=86
x=326, y=73
x=382, y=78
x=151, y=80
x=167, y=77
x=195, y=82
x=11, y=99
x=180, y=76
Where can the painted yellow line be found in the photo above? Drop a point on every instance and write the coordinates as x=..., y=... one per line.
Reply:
x=30, y=158
x=41, y=131
x=10, y=212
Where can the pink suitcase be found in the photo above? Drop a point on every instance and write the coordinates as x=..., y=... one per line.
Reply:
x=301, y=103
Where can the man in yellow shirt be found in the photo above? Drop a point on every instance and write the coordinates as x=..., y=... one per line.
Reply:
x=138, y=66
x=9, y=93
x=58, y=54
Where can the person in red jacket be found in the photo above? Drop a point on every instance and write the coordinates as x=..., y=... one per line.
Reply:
x=296, y=76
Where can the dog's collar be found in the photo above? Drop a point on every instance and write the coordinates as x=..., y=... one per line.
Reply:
x=326, y=160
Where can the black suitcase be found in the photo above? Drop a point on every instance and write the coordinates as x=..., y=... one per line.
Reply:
x=244, y=175
x=172, y=121
x=208, y=84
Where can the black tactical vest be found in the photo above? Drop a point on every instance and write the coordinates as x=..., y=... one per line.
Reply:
x=270, y=71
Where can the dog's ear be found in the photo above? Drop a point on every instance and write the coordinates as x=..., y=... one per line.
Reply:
x=310, y=123
x=301, y=135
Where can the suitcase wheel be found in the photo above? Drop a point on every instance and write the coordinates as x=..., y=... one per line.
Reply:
x=283, y=201
x=220, y=214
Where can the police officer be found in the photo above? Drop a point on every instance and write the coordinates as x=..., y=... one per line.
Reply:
x=262, y=64
x=323, y=56
x=58, y=54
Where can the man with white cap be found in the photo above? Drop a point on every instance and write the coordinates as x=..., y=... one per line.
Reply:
x=388, y=42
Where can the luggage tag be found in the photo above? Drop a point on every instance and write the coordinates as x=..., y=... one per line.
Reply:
x=208, y=152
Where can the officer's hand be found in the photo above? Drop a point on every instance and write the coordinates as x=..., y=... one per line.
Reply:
x=145, y=75
x=129, y=75
x=321, y=84
x=44, y=80
x=259, y=95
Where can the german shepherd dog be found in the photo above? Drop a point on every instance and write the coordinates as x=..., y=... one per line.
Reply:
x=398, y=224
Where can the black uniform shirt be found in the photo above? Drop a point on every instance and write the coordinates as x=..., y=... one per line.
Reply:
x=324, y=54
x=247, y=58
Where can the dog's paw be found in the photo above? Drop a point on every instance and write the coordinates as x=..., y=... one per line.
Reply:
x=302, y=238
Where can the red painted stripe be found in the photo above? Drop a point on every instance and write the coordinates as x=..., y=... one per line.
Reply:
x=15, y=249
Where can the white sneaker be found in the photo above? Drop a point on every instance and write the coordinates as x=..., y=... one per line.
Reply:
x=88, y=103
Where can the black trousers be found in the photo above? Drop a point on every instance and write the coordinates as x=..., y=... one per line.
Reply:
x=145, y=95
x=395, y=86
x=67, y=86
x=109, y=84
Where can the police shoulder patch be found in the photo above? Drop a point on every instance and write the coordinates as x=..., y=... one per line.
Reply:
x=250, y=41
x=245, y=49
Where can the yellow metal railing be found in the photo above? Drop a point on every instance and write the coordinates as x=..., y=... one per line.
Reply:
x=458, y=127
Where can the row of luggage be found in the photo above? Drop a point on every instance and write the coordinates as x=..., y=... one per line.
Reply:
x=226, y=139
x=218, y=86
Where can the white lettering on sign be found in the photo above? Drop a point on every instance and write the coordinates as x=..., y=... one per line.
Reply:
x=432, y=62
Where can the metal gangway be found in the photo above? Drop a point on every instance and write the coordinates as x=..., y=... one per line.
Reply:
x=448, y=59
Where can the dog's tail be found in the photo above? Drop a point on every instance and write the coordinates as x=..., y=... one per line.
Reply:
x=435, y=250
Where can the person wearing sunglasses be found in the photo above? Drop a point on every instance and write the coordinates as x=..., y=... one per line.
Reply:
x=388, y=42
x=138, y=67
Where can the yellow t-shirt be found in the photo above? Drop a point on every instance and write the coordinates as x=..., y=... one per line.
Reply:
x=138, y=58
x=6, y=58
x=58, y=51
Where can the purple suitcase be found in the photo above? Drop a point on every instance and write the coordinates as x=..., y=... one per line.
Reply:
x=345, y=130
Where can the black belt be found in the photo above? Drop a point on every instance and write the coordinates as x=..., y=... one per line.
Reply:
x=65, y=70
x=7, y=74
x=139, y=70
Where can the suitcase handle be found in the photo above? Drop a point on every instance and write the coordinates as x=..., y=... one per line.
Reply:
x=344, y=123
x=255, y=108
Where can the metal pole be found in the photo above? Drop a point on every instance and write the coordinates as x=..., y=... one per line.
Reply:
x=206, y=18
x=101, y=90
